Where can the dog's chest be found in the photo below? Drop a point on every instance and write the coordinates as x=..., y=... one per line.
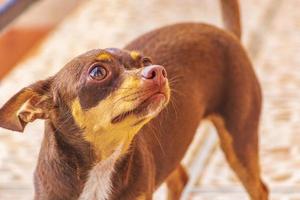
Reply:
x=99, y=185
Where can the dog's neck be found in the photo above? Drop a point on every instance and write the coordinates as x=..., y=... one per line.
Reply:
x=71, y=167
x=99, y=183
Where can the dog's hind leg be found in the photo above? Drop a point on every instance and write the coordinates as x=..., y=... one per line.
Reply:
x=176, y=182
x=239, y=141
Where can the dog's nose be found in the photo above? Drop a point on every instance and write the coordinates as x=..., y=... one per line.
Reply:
x=155, y=73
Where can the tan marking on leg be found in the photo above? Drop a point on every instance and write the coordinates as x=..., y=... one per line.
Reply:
x=249, y=177
x=141, y=197
x=176, y=182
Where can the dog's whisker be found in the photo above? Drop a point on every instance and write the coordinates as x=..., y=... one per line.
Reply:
x=153, y=131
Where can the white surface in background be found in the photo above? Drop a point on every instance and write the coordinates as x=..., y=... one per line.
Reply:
x=105, y=23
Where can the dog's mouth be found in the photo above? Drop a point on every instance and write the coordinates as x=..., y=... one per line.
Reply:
x=149, y=106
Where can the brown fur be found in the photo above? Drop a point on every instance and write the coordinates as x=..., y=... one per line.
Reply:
x=219, y=80
x=176, y=182
x=231, y=16
x=210, y=76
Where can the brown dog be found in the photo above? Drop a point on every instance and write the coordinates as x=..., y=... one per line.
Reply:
x=98, y=143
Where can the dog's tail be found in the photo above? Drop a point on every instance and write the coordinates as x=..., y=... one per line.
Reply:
x=231, y=16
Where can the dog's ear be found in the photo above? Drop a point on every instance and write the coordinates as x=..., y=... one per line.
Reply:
x=32, y=102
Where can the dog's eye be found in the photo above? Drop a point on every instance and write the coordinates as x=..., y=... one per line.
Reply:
x=146, y=61
x=98, y=72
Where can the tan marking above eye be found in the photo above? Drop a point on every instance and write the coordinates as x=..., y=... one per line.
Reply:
x=104, y=56
x=135, y=55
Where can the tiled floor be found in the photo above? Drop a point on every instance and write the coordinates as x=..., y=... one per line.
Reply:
x=271, y=35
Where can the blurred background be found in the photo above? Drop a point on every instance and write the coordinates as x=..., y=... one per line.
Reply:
x=48, y=33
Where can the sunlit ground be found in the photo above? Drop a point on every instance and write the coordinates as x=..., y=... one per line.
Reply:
x=271, y=34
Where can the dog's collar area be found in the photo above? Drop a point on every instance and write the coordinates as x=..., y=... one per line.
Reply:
x=99, y=183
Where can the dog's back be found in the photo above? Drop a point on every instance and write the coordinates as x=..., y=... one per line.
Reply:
x=91, y=149
x=211, y=77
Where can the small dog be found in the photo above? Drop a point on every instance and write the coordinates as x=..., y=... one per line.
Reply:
x=107, y=134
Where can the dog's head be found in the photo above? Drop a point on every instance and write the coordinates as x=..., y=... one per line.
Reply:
x=107, y=94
